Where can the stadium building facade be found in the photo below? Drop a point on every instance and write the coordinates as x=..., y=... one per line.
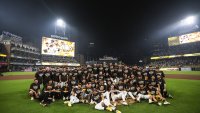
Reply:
x=19, y=56
x=178, y=52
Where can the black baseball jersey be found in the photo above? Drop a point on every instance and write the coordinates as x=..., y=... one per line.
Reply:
x=78, y=91
x=143, y=91
x=58, y=88
x=161, y=82
x=83, y=85
x=153, y=83
x=132, y=88
x=56, y=76
x=52, y=85
x=120, y=87
x=161, y=73
x=120, y=73
x=95, y=70
x=66, y=88
x=35, y=86
x=47, y=77
x=64, y=77
x=151, y=73
x=88, y=90
x=134, y=81
x=141, y=82
x=152, y=91
x=96, y=97
x=93, y=85
x=73, y=83
x=39, y=77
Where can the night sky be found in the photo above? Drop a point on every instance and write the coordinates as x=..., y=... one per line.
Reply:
x=118, y=28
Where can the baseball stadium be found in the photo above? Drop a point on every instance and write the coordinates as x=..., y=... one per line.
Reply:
x=57, y=73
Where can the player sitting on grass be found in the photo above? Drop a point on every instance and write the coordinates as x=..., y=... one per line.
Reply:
x=142, y=93
x=156, y=95
x=162, y=86
x=95, y=97
x=119, y=93
x=66, y=92
x=105, y=104
x=132, y=89
x=46, y=97
x=34, y=90
x=87, y=93
x=57, y=92
x=73, y=98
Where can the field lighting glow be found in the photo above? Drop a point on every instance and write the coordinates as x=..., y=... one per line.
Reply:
x=189, y=20
x=60, y=23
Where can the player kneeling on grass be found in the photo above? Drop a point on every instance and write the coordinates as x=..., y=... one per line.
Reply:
x=105, y=104
x=34, y=90
x=156, y=95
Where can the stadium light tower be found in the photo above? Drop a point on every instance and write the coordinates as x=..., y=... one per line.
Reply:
x=60, y=24
x=189, y=20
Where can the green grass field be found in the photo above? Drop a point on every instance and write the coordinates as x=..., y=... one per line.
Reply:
x=182, y=72
x=14, y=99
x=17, y=73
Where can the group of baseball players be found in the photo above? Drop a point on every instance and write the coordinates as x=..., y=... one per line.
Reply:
x=105, y=85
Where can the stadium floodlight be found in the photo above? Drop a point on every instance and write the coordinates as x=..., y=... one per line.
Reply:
x=60, y=23
x=189, y=20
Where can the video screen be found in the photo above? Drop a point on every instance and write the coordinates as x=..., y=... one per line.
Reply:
x=51, y=46
x=183, y=39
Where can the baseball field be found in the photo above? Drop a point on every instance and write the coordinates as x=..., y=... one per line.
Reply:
x=184, y=86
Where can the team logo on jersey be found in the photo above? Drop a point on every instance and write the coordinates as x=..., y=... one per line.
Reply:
x=47, y=74
x=40, y=74
x=35, y=87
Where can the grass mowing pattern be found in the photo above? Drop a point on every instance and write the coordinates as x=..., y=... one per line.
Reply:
x=14, y=99
x=18, y=73
x=182, y=72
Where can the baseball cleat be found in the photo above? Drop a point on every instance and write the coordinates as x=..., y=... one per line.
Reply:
x=66, y=102
x=117, y=111
x=159, y=103
x=69, y=104
x=150, y=101
x=109, y=108
x=32, y=98
x=124, y=103
x=170, y=96
x=138, y=99
x=166, y=103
